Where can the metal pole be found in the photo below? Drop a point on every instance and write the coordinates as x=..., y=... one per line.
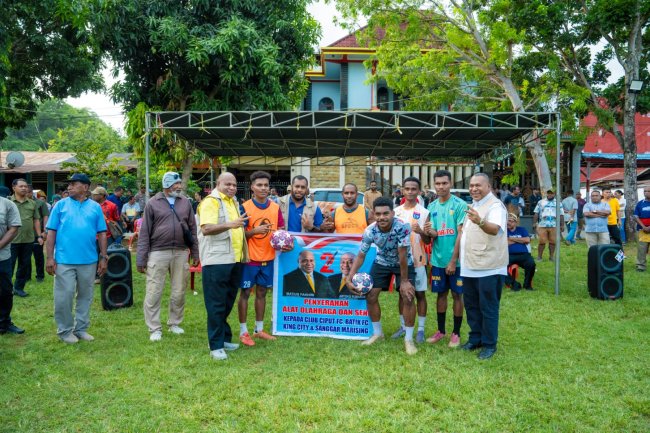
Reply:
x=147, y=138
x=558, y=195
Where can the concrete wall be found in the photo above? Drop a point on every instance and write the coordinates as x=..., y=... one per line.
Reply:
x=359, y=92
x=322, y=90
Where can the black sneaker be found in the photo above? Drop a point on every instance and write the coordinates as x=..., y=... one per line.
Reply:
x=21, y=293
x=12, y=329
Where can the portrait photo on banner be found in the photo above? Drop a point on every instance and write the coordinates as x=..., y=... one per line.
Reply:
x=310, y=297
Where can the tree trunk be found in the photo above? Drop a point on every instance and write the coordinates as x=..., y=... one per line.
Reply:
x=538, y=153
x=629, y=163
x=188, y=164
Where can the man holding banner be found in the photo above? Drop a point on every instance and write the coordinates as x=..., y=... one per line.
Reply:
x=391, y=236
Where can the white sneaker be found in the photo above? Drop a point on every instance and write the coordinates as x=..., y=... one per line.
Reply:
x=175, y=329
x=218, y=354
x=155, y=336
x=230, y=346
x=409, y=345
x=84, y=336
x=372, y=340
x=69, y=339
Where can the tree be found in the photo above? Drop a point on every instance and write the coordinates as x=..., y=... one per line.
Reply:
x=46, y=51
x=567, y=31
x=203, y=55
x=52, y=115
x=463, y=55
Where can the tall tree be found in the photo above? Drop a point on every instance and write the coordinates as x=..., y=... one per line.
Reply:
x=462, y=54
x=568, y=31
x=46, y=50
x=207, y=55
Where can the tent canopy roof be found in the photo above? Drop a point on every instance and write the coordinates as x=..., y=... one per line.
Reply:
x=435, y=135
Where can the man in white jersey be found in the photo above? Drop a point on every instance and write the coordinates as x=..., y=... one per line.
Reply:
x=414, y=214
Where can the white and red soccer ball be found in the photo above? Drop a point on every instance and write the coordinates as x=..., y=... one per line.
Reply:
x=281, y=239
x=362, y=282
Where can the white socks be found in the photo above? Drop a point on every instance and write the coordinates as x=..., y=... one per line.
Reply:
x=409, y=333
x=243, y=329
x=376, y=328
x=421, y=320
x=259, y=326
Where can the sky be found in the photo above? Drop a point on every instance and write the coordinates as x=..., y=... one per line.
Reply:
x=325, y=13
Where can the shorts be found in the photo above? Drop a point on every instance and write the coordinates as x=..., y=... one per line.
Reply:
x=381, y=275
x=546, y=234
x=441, y=282
x=257, y=274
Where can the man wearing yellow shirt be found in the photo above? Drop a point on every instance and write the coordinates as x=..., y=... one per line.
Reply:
x=613, y=223
x=223, y=250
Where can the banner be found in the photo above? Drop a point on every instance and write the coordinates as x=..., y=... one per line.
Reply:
x=309, y=296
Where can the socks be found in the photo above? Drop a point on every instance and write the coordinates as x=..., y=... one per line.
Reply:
x=458, y=320
x=442, y=317
x=421, y=320
x=243, y=329
x=409, y=333
x=259, y=326
x=401, y=320
x=376, y=328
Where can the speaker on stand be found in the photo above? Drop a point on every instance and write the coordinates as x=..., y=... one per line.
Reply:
x=117, y=281
x=605, y=272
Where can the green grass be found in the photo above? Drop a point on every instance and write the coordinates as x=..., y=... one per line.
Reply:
x=564, y=364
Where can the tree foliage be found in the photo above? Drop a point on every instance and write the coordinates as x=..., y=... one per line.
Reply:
x=205, y=55
x=46, y=50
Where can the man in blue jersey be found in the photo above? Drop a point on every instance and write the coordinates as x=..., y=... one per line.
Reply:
x=446, y=216
x=642, y=218
x=519, y=252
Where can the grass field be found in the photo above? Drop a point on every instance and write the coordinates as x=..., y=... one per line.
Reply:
x=564, y=364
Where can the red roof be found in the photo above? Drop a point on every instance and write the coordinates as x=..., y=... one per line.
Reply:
x=350, y=41
x=602, y=141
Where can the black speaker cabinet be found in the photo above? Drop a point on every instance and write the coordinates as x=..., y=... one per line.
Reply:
x=117, y=281
x=605, y=272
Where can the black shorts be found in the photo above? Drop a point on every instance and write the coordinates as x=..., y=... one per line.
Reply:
x=381, y=275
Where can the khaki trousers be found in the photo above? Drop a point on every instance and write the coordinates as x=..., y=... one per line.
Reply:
x=174, y=261
x=641, y=252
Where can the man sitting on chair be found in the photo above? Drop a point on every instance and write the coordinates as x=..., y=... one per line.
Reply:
x=519, y=252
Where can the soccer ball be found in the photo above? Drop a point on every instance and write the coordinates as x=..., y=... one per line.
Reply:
x=363, y=282
x=281, y=239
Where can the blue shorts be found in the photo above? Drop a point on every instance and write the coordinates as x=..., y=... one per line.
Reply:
x=441, y=282
x=260, y=274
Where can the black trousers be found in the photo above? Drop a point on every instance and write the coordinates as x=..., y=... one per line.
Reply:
x=482, y=297
x=39, y=260
x=21, y=254
x=527, y=262
x=6, y=294
x=220, y=285
x=614, y=234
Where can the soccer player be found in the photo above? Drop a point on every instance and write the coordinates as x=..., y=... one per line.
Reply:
x=392, y=238
x=351, y=217
x=417, y=216
x=264, y=216
x=446, y=215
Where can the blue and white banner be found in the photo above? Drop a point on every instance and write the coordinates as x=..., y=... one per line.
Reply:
x=310, y=298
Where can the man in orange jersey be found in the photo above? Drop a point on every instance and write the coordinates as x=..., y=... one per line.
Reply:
x=264, y=216
x=413, y=213
x=351, y=218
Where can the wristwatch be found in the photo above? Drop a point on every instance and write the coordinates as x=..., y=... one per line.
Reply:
x=482, y=222
x=104, y=256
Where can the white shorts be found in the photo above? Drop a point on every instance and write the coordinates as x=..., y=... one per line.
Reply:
x=420, y=279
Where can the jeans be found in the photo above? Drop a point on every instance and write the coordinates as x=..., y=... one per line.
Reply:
x=614, y=234
x=623, y=230
x=572, y=227
x=220, y=285
x=482, y=296
x=21, y=254
x=6, y=294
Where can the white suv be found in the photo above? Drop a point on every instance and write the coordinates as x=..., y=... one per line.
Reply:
x=329, y=198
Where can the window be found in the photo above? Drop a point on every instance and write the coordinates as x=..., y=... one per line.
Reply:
x=326, y=104
x=382, y=98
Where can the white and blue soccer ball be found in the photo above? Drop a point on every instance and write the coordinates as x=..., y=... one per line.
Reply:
x=281, y=239
x=362, y=282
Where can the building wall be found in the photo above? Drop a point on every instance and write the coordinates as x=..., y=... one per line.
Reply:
x=359, y=92
x=327, y=89
x=325, y=172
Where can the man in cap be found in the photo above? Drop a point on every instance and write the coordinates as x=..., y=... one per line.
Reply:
x=74, y=225
x=109, y=210
x=162, y=249
x=21, y=246
x=9, y=224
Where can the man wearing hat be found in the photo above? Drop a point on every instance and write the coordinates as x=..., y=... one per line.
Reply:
x=545, y=219
x=109, y=209
x=9, y=224
x=73, y=228
x=162, y=249
x=519, y=251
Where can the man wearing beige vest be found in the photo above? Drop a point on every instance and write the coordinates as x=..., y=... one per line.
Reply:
x=483, y=265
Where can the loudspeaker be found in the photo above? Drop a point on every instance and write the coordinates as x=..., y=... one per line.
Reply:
x=605, y=272
x=117, y=281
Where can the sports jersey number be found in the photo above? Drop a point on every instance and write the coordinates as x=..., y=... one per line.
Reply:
x=329, y=259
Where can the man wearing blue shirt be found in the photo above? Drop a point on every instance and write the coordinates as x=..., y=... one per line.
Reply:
x=73, y=226
x=642, y=218
x=392, y=237
x=596, y=213
x=116, y=199
x=519, y=251
x=299, y=213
